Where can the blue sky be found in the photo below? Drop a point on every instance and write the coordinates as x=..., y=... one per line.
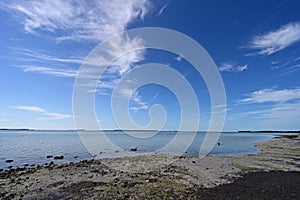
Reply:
x=255, y=44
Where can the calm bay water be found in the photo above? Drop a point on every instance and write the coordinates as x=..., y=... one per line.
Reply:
x=33, y=147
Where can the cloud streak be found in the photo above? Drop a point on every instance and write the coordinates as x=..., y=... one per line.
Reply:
x=232, y=67
x=69, y=73
x=138, y=102
x=29, y=108
x=48, y=115
x=31, y=55
x=54, y=116
x=162, y=9
x=271, y=95
x=274, y=41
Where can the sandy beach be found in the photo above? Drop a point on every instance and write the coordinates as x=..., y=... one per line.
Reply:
x=274, y=173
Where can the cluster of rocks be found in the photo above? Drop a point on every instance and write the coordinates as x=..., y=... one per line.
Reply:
x=60, y=157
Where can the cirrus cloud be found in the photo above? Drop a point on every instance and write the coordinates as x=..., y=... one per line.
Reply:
x=274, y=41
x=272, y=95
x=48, y=115
x=29, y=108
x=77, y=20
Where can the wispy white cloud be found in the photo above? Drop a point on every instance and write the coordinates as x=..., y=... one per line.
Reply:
x=284, y=115
x=127, y=91
x=54, y=116
x=48, y=115
x=232, y=67
x=29, y=108
x=291, y=69
x=272, y=95
x=273, y=41
x=123, y=46
x=118, y=57
x=138, y=103
x=279, y=66
x=274, y=62
x=281, y=111
x=51, y=71
x=36, y=56
x=78, y=20
x=162, y=9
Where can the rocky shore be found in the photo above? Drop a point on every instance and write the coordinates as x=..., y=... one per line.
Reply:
x=274, y=173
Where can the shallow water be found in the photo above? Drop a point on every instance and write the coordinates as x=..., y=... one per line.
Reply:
x=33, y=147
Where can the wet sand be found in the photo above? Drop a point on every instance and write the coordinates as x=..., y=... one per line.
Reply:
x=274, y=173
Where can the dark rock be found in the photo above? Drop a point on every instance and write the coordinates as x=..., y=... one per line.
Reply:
x=152, y=180
x=26, y=165
x=116, y=179
x=58, y=157
x=75, y=157
x=103, y=172
x=133, y=149
x=9, y=161
x=49, y=156
x=127, y=184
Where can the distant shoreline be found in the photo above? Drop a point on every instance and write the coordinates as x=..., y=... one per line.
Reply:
x=269, y=131
x=119, y=130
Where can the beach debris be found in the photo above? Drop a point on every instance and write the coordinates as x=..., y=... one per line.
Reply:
x=133, y=149
x=49, y=156
x=9, y=161
x=58, y=157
